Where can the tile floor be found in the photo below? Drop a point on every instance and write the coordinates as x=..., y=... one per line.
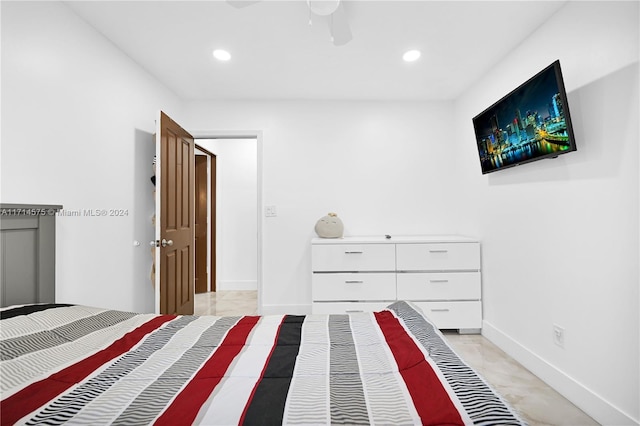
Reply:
x=226, y=303
x=536, y=402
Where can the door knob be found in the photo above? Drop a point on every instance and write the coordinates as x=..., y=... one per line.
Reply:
x=167, y=242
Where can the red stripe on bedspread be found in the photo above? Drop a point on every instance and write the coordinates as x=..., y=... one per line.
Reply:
x=39, y=393
x=431, y=400
x=264, y=368
x=187, y=404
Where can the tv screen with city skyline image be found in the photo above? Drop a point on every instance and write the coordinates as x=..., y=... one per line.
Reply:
x=530, y=123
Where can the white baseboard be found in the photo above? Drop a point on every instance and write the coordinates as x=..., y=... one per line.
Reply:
x=595, y=406
x=237, y=285
x=286, y=309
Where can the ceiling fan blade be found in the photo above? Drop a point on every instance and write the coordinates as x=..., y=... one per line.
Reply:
x=323, y=7
x=339, y=26
x=239, y=4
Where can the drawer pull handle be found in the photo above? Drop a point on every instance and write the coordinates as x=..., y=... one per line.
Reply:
x=353, y=252
x=440, y=310
x=438, y=251
x=351, y=311
x=353, y=282
x=438, y=281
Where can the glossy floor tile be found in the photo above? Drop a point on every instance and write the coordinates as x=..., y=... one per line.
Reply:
x=226, y=303
x=537, y=403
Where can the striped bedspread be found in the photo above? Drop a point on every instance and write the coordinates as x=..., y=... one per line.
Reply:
x=90, y=366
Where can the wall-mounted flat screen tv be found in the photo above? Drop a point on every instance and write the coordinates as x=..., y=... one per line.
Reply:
x=528, y=124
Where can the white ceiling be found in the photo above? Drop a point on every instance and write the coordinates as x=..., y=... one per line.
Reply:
x=276, y=54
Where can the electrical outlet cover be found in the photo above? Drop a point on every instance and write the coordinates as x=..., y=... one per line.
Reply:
x=558, y=335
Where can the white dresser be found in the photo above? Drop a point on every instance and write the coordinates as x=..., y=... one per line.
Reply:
x=440, y=274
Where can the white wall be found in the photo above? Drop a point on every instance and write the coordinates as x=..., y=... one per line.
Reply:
x=384, y=168
x=560, y=237
x=78, y=124
x=237, y=212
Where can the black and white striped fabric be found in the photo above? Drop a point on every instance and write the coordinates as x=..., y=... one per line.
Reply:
x=84, y=365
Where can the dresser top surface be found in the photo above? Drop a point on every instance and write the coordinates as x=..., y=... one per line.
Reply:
x=11, y=206
x=396, y=239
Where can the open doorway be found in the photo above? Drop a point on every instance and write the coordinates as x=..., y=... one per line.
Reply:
x=205, y=220
x=232, y=226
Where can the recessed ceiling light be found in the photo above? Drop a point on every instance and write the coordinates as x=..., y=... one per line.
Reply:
x=411, y=55
x=221, y=55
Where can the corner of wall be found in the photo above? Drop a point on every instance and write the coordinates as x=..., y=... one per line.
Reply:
x=584, y=398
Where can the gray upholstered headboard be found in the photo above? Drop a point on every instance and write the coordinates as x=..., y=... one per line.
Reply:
x=27, y=253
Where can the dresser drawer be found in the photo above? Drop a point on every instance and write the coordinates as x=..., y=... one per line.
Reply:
x=347, y=307
x=453, y=315
x=438, y=256
x=439, y=286
x=354, y=287
x=353, y=257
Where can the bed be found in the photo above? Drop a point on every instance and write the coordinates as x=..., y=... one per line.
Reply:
x=85, y=365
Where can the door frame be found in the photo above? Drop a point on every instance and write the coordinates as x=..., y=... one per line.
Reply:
x=258, y=135
x=211, y=217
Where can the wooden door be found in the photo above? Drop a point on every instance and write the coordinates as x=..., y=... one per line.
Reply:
x=212, y=244
x=176, y=224
x=201, y=248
